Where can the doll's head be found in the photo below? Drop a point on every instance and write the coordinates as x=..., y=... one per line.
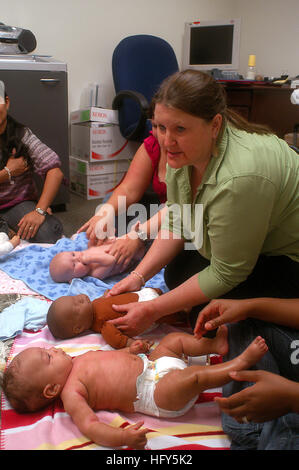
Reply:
x=69, y=316
x=67, y=265
x=35, y=377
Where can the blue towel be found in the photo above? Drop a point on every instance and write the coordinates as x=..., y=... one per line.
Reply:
x=29, y=313
x=31, y=265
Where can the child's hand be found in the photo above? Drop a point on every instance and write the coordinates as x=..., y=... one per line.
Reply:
x=15, y=240
x=134, y=436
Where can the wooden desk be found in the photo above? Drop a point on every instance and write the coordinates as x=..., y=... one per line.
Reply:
x=264, y=104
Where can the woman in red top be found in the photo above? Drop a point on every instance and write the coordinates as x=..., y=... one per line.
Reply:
x=148, y=167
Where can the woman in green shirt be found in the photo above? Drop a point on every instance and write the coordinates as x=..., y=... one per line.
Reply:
x=242, y=183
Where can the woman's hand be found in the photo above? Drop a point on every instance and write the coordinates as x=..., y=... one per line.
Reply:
x=89, y=228
x=29, y=225
x=100, y=227
x=124, y=249
x=138, y=317
x=131, y=283
x=17, y=166
x=218, y=312
x=270, y=397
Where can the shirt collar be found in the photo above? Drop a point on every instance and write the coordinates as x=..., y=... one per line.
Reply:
x=210, y=176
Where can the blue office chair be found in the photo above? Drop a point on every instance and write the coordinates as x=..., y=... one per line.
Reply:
x=139, y=65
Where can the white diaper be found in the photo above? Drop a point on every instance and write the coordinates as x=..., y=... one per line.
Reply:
x=146, y=382
x=147, y=293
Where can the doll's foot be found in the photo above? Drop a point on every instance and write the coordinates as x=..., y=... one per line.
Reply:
x=220, y=341
x=252, y=354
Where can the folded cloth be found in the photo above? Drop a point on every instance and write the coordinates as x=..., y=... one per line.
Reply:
x=31, y=265
x=28, y=313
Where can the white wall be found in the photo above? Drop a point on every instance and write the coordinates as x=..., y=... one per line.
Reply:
x=84, y=33
x=270, y=30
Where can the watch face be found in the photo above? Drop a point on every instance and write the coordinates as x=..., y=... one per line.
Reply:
x=142, y=235
x=40, y=211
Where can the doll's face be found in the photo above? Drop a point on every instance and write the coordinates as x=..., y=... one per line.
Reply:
x=70, y=315
x=68, y=265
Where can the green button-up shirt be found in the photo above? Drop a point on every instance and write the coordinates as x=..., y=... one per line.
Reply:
x=250, y=205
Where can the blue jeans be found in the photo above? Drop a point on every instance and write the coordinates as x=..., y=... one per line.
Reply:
x=278, y=434
x=49, y=232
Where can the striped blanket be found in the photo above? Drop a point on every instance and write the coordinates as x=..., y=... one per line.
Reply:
x=52, y=428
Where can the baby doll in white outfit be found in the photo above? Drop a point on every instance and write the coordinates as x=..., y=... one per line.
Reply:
x=8, y=239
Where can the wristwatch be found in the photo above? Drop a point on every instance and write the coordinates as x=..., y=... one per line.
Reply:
x=141, y=234
x=40, y=211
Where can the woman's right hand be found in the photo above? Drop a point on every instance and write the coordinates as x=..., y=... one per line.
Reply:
x=130, y=283
x=124, y=249
x=89, y=228
x=17, y=166
x=100, y=227
x=218, y=312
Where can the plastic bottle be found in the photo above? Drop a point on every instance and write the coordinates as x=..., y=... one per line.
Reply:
x=251, y=71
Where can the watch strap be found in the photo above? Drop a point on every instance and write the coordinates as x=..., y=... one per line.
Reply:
x=40, y=211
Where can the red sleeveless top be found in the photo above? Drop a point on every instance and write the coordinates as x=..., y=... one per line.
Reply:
x=153, y=149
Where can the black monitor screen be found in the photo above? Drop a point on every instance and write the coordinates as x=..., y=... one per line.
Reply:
x=211, y=45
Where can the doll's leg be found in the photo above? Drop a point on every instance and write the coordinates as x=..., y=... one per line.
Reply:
x=180, y=344
x=178, y=387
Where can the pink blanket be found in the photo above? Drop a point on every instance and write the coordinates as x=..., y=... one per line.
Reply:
x=52, y=428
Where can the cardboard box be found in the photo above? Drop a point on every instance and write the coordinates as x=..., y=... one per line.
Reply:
x=95, y=168
x=95, y=114
x=96, y=142
x=94, y=186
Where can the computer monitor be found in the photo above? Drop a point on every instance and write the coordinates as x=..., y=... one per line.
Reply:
x=212, y=44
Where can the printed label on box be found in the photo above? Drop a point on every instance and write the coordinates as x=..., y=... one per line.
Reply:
x=100, y=142
x=94, y=114
x=96, y=186
x=95, y=168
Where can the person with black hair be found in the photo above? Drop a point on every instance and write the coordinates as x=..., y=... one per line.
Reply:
x=22, y=155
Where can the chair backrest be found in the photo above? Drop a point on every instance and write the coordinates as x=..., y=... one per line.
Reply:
x=140, y=63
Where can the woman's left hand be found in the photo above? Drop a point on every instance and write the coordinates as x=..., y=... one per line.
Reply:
x=268, y=398
x=29, y=225
x=124, y=249
x=138, y=317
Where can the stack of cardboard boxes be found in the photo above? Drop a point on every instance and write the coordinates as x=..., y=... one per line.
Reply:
x=100, y=155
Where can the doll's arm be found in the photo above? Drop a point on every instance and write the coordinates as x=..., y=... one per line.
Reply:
x=102, y=434
x=113, y=336
x=97, y=255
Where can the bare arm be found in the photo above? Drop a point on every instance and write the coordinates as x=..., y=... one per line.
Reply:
x=140, y=315
x=129, y=246
x=100, y=433
x=280, y=311
x=133, y=186
x=52, y=183
x=163, y=250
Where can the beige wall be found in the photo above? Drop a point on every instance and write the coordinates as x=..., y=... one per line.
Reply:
x=84, y=33
x=270, y=29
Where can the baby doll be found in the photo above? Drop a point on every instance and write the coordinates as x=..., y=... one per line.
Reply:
x=95, y=261
x=8, y=239
x=68, y=316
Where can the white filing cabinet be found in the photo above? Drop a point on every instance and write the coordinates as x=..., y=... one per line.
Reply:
x=37, y=88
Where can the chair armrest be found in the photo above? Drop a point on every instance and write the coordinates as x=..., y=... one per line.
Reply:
x=143, y=104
